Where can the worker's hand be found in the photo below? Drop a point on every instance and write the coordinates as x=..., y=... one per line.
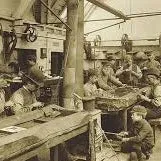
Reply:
x=37, y=105
x=142, y=97
x=127, y=70
x=125, y=139
x=124, y=85
x=99, y=92
x=123, y=133
x=144, y=68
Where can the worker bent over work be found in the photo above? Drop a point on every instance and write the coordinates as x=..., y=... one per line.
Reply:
x=140, y=138
x=152, y=102
x=24, y=99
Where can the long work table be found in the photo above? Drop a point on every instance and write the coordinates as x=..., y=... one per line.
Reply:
x=35, y=133
x=122, y=100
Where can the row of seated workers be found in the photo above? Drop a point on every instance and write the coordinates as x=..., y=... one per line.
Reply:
x=137, y=70
x=19, y=89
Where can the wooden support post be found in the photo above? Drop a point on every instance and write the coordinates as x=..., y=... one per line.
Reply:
x=92, y=153
x=124, y=119
x=56, y=156
x=43, y=153
x=160, y=45
x=80, y=49
x=70, y=51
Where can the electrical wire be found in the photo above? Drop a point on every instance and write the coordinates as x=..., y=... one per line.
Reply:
x=146, y=39
x=137, y=15
x=104, y=28
x=130, y=17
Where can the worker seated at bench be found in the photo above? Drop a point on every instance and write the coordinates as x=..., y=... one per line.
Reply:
x=129, y=73
x=153, y=102
x=90, y=88
x=106, y=78
x=24, y=99
x=140, y=139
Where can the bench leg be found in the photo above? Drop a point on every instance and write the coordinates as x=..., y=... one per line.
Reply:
x=124, y=119
x=154, y=132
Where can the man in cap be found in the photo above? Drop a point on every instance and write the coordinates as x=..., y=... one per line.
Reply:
x=106, y=79
x=140, y=58
x=153, y=102
x=129, y=73
x=152, y=63
x=24, y=99
x=90, y=88
x=140, y=138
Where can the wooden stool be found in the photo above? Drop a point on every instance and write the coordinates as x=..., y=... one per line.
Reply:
x=154, y=123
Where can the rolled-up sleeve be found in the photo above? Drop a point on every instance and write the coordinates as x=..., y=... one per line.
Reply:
x=18, y=101
x=157, y=96
x=139, y=72
x=103, y=84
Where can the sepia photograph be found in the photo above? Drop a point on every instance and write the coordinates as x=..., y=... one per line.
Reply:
x=80, y=80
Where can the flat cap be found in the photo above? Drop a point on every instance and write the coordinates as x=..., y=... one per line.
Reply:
x=139, y=109
x=140, y=56
x=153, y=71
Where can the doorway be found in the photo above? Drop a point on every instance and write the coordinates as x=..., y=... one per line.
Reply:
x=57, y=59
x=56, y=63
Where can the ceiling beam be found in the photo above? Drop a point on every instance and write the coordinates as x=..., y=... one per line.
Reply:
x=106, y=7
x=24, y=6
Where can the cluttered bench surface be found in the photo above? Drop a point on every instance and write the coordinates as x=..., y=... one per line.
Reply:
x=121, y=99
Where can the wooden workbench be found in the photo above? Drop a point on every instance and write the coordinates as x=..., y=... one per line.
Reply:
x=41, y=134
x=121, y=102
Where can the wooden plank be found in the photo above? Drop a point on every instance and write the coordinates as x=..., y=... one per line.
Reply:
x=106, y=7
x=155, y=121
x=24, y=157
x=68, y=135
x=25, y=117
x=56, y=131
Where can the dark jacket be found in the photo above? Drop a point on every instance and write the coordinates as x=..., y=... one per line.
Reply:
x=127, y=77
x=141, y=132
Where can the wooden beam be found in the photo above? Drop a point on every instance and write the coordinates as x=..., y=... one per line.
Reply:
x=23, y=7
x=106, y=7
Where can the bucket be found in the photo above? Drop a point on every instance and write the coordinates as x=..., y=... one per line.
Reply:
x=88, y=103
